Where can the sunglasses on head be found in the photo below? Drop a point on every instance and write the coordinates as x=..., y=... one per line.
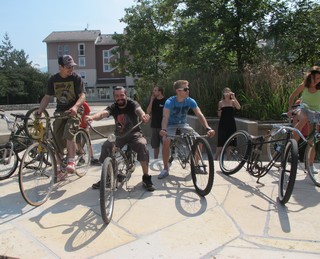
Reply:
x=184, y=89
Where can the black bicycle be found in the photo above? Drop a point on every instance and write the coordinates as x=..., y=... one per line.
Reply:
x=116, y=170
x=242, y=149
x=188, y=148
x=17, y=142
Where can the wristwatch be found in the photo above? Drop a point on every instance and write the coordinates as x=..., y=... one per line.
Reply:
x=208, y=129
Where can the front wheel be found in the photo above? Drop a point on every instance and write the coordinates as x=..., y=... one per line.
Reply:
x=83, y=152
x=37, y=173
x=8, y=162
x=312, y=161
x=202, y=167
x=107, y=188
x=289, y=164
x=235, y=152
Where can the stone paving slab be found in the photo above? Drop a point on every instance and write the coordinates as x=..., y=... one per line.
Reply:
x=240, y=218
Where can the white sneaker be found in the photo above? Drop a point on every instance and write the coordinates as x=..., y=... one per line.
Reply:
x=164, y=173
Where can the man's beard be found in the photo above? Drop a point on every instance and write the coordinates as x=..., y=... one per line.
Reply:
x=121, y=102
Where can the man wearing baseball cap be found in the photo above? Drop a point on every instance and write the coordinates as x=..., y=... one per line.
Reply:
x=68, y=88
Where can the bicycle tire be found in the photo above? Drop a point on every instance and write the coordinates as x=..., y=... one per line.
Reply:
x=202, y=166
x=107, y=188
x=8, y=165
x=235, y=152
x=312, y=153
x=289, y=165
x=31, y=123
x=37, y=173
x=83, y=152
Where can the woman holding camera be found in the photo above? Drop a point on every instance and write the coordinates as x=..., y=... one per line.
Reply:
x=227, y=123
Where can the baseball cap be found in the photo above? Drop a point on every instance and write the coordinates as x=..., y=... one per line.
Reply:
x=66, y=60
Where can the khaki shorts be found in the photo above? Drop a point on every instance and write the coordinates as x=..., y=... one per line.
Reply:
x=65, y=129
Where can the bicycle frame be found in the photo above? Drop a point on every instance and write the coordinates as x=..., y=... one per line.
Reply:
x=254, y=165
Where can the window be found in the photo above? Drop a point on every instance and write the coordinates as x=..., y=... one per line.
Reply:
x=63, y=50
x=82, y=62
x=108, y=57
x=81, y=49
x=66, y=49
x=60, y=50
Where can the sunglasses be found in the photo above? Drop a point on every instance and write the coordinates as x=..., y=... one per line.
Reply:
x=184, y=89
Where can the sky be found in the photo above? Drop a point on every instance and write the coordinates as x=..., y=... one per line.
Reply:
x=29, y=22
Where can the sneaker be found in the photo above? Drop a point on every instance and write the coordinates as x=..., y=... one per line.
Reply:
x=95, y=161
x=147, y=183
x=81, y=161
x=96, y=185
x=164, y=173
x=71, y=167
x=200, y=170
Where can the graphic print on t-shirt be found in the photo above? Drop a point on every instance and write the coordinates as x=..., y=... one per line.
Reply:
x=64, y=91
x=179, y=113
x=123, y=123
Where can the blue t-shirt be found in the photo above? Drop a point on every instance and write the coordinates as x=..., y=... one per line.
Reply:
x=179, y=110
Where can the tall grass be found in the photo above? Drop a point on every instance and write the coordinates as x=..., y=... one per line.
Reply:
x=262, y=90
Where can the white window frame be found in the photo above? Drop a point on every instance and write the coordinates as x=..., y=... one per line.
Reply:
x=106, y=60
x=81, y=50
x=81, y=61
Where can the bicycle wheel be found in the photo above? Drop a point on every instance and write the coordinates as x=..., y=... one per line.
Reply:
x=107, y=187
x=235, y=152
x=83, y=152
x=8, y=161
x=37, y=173
x=34, y=126
x=313, y=154
x=289, y=164
x=278, y=142
x=202, y=167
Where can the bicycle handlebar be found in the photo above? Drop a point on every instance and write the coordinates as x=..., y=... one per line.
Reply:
x=281, y=127
x=122, y=136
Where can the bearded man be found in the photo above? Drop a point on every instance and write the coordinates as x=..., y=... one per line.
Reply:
x=126, y=113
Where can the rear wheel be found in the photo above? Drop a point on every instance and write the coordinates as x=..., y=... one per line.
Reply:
x=37, y=173
x=107, y=188
x=8, y=161
x=83, y=152
x=313, y=154
x=234, y=152
x=202, y=167
x=289, y=164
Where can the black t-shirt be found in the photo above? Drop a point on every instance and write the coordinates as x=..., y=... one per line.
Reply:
x=156, y=112
x=66, y=90
x=125, y=118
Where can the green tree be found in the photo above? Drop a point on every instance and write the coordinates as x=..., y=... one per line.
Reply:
x=20, y=82
x=293, y=33
x=145, y=38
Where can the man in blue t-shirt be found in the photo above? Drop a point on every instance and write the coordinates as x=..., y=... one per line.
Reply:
x=175, y=116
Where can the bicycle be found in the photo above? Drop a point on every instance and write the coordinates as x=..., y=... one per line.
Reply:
x=16, y=143
x=195, y=151
x=242, y=149
x=38, y=168
x=309, y=148
x=116, y=169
